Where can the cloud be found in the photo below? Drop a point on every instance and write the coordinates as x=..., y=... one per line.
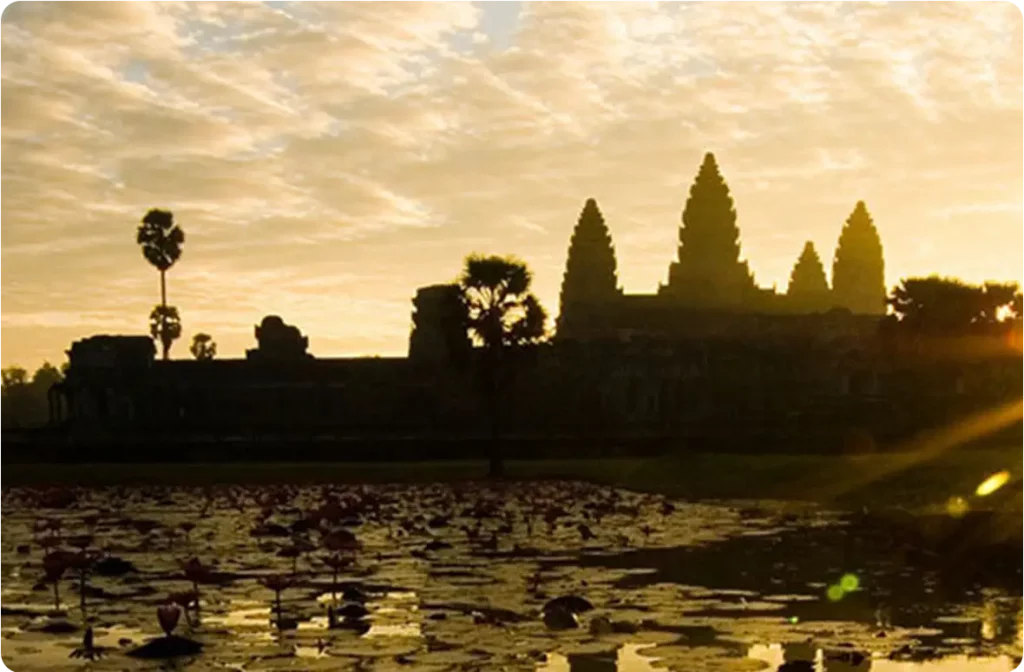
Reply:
x=326, y=159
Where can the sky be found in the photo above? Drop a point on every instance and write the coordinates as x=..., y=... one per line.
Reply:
x=325, y=160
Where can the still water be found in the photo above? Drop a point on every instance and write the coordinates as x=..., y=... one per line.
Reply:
x=437, y=577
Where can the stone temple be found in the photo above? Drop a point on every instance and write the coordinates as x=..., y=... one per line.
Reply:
x=710, y=292
x=711, y=359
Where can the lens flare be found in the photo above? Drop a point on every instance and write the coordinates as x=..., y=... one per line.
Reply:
x=957, y=507
x=993, y=483
x=835, y=593
x=849, y=583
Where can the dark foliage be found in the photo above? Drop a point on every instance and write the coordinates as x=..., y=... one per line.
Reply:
x=505, y=319
x=936, y=305
x=203, y=347
x=165, y=327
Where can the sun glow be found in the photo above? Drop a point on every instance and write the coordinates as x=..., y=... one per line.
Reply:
x=935, y=443
x=993, y=483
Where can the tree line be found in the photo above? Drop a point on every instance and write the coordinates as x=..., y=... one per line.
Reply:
x=24, y=401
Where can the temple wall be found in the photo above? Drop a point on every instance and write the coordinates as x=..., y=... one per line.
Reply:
x=634, y=387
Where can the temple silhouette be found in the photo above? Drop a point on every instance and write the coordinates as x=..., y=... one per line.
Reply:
x=710, y=358
x=709, y=286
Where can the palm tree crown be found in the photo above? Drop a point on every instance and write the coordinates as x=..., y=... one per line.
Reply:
x=161, y=239
x=502, y=312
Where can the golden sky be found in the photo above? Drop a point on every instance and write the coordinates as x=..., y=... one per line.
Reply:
x=325, y=160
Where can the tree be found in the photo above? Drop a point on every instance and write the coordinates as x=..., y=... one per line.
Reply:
x=709, y=272
x=808, y=289
x=858, y=269
x=46, y=376
x=165, y=326
x=947, y=306
x=161, y=240
x=590, y=270
x=203, y=347
x=15, y=396
x=505, y=319
x=27, y=403
x=13, y=376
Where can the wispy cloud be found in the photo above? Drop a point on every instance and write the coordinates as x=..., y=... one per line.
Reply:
x=325, y=159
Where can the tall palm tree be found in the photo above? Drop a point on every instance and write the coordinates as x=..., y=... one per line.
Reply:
x=504, y=319
x=161, y=240
x=165, y=326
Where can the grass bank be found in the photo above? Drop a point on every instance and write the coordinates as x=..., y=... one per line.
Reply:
x=880, y=480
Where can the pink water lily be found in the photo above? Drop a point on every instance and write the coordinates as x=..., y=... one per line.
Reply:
x=168, y=615
x=276, y=583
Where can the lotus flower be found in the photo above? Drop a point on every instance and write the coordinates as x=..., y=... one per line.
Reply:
x=196, y=572
x=54, y=565
x=185, y=599
x=168, y=615
x=83, y=562
x=276, y=583
x=292, y=552
x=337, y=563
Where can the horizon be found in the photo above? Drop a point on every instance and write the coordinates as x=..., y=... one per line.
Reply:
x=326, y=180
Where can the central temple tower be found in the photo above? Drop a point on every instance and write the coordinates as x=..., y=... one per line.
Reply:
x=709, y=273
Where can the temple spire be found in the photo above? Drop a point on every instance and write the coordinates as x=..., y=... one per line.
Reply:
x=590, y=278
x=858, y=270
x=808, y=290
x=709, y=272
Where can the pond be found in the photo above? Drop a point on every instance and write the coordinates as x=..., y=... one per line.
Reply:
x=548, y=575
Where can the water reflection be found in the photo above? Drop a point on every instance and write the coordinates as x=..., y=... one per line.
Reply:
x=394, y=630
x=787, y=657
x=806, y=657
x=680, y=605
x=626, y=658
x=1001, y=620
